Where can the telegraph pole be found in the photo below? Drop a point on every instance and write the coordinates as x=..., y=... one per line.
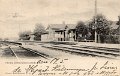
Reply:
x=95, y=21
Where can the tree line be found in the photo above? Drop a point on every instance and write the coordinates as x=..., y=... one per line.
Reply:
x=84, y=30
x=102, y=26
x=38, y=31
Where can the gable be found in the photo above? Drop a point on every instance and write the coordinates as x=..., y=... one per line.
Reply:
x=61, y=26
x=114, y=25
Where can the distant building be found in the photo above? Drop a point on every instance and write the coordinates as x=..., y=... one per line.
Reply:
x=60, y=32
x=32, y=37
x=114, y=35
x=115, y=28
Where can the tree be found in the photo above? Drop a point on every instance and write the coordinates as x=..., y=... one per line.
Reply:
x=38, y=31
x=118, y=29
x=101, y=25
x=24, y=35
x=81, y=30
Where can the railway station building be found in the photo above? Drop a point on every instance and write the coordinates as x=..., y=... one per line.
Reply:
x=60, y=32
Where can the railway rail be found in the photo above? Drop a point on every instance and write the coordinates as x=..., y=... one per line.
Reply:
x=35, y=52
x=84, y=51
x=13, y=52
x=100, y=48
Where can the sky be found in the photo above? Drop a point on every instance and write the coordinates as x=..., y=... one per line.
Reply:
x=30, y=12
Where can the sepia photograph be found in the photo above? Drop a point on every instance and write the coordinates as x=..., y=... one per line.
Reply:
x=59, y=38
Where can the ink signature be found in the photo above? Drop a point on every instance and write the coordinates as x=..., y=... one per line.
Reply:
x=56, y=68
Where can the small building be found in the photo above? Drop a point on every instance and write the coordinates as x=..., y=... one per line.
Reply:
x=115, y=28
x=32, y=37
x=114, y=33
x=60, y=32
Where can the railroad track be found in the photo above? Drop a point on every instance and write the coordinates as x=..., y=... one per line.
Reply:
x=100, y=48
x=35, y=52
x=14, y=53
x=84, y=51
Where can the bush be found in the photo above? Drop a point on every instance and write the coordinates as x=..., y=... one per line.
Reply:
x=112, y=39
x=24, y=35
